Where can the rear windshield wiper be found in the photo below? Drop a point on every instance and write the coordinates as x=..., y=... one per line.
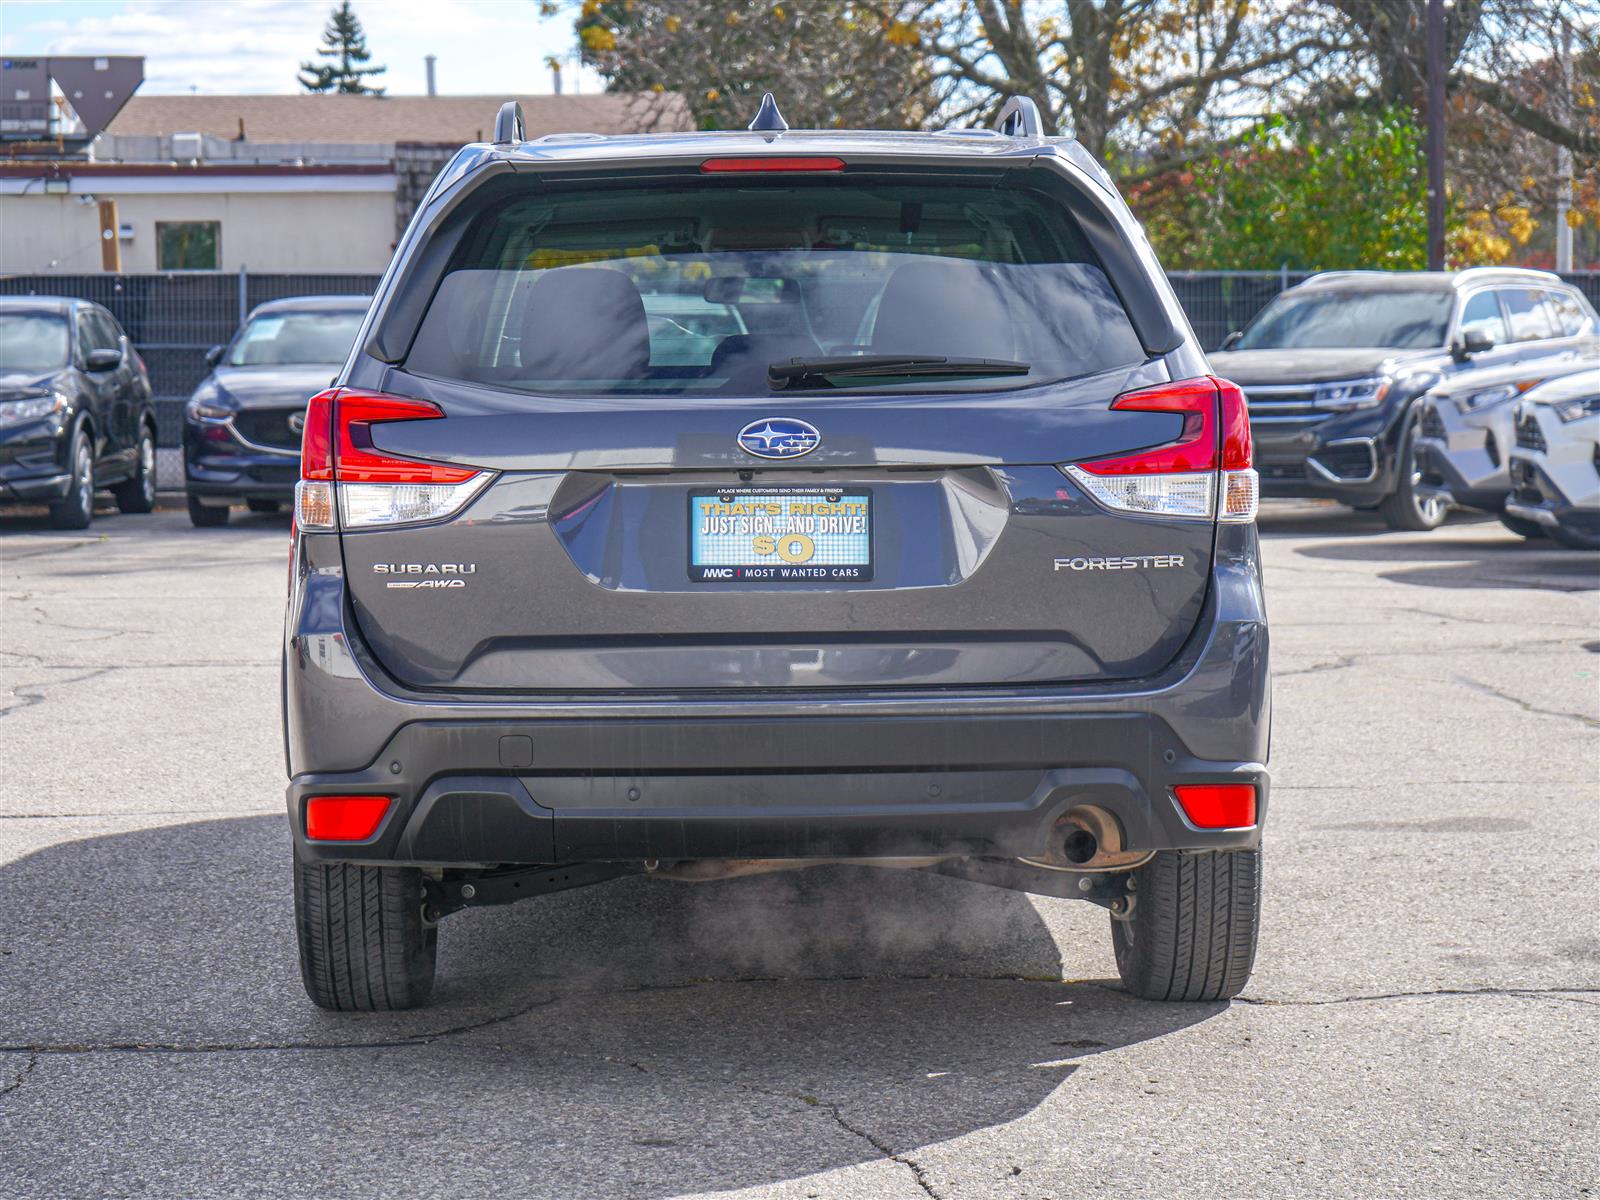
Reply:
x=820, y=372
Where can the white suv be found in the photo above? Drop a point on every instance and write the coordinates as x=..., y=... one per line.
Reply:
x=1555, y=464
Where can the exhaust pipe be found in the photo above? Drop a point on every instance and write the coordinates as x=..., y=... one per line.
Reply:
x=1080, y=845
x=1088, y=838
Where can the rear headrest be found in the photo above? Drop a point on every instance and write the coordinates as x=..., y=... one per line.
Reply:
x=943, y=307
x=584, y=323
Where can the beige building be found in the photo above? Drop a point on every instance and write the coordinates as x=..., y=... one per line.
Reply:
x=276, y=184
x=282, y=219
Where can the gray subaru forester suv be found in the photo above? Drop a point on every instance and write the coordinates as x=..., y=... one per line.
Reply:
x=696, y=505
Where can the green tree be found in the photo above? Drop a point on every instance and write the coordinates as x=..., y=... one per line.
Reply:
x=1316, y=193
x=345, y=42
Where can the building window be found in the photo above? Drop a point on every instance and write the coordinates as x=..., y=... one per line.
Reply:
x=188, y=245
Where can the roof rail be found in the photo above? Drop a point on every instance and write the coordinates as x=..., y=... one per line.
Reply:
x=1019, y=117
x=1533, y=272
x=508, y=126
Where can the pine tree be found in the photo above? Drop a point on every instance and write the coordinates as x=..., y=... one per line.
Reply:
x=345, y=41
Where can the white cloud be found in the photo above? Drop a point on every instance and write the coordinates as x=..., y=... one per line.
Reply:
x=484, y=47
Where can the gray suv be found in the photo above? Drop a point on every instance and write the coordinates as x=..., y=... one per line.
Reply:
x=696, y=505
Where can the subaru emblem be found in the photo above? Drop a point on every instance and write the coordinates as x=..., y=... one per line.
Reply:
x=779, y=437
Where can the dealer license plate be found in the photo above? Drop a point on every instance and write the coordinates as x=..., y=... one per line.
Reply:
x=780, y=535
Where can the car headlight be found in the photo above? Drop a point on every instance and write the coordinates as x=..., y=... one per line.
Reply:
x=204, y=406
x=1490, y=396
x=1350, y=394
x=1576, y=409
x=31, y=408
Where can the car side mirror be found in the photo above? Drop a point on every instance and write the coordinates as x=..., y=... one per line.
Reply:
x=1472, y=341
x=213, y=356
x=103, y=360
x=1232, y=340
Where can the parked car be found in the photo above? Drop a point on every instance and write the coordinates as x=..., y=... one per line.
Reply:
x=1465, y=432
x=242, y=426
x=950, y=563
x=75, y=410
x=1332, y=370
x=1555, y=464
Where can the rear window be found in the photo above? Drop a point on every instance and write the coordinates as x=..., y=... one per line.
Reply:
x=1346, y=318
x=698, y=288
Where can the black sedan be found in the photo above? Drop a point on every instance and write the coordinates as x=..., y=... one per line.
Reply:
x=242, y=426
x=75, y=410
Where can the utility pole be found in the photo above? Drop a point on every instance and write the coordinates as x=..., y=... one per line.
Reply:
x=1564, y=157
x=1435, y=135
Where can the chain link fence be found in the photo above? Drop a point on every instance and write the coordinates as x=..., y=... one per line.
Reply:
x=174, y=319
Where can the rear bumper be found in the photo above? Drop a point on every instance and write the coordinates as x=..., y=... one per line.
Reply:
x=618, y=791
x=868, y=773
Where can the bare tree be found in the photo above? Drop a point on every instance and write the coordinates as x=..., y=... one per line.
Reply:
x=829, y=64
x=1124, y=75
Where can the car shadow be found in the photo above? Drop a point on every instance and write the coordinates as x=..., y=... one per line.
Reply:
x=638, y=1038
x=1463, y=560
x=108, y=518
x=1299, y=518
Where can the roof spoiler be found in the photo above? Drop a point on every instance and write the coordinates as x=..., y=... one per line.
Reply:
x=1019, y=117
x=509, y=129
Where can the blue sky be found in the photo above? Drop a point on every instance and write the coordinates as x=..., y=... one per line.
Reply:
x=484, y=47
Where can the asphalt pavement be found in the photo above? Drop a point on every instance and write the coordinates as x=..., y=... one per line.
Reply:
x=1424, y=1019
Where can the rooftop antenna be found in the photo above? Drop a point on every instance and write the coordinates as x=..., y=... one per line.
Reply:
x=768, y=118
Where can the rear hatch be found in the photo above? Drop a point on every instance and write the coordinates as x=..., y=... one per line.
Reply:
x=764, y=430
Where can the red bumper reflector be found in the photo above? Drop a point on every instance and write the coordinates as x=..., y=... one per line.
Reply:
x=713, y=166
x=1218, y=805
x=345, y=818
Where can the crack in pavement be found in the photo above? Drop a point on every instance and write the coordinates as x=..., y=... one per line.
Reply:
x=139, y=814
x=22, y=1075
x=918, y=1173
x=917, y=1170
x=1355, y=658
x=31, y=699
x=414, y=1039
x=1344, y=661
x=1485, y=689
x=40, y=553
x=1569, y=994
x=110, y=631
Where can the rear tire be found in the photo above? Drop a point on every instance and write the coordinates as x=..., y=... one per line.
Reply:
x=137, y=494
x=1192, y=935
x=363, y=944
x=76, y=509
x=1403, y=508
x=1521, y=527
x=207, y=516
x=262, y=506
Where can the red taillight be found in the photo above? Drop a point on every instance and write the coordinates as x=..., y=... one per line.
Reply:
x=316, y=443
x=347, y=482
x=345, y=818
x=1218, y=805
x=1204, y=472
x=715, y=166
x=338, y=440
x=1196, y=447
x=1237, y=450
